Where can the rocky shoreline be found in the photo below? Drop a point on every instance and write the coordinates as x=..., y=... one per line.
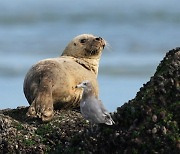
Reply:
x=149, y=123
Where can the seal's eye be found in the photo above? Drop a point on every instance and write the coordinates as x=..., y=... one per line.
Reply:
x=83, y=40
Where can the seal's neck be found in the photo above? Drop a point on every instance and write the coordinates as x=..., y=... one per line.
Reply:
x=90, y=64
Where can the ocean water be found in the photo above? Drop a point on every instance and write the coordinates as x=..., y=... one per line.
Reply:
x=139, y=34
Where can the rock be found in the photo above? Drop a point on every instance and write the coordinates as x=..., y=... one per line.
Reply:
x=154, y=130
x=154, y=118
x=149, y=123
x=162, y=114
x=164, y=130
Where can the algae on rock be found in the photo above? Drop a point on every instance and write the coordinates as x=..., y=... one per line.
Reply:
x=149, y=123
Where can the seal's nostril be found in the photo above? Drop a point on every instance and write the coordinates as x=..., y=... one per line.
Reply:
x=98, y=38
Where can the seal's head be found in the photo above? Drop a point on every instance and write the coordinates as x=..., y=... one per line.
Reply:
x=85, y=46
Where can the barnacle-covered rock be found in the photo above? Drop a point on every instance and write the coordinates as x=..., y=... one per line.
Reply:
x=149, y=123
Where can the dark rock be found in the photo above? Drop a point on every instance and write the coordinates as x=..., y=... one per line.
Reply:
x=149, y=123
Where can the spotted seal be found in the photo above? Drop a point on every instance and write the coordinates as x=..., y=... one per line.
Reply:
x=51, y=83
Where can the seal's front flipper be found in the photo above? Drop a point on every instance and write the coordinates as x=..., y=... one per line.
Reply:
x=32, y=111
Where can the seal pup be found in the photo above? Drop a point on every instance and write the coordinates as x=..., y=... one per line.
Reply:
x=91, y=108
x=51, y=82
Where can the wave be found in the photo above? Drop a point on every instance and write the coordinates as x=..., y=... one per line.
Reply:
x=31, y=12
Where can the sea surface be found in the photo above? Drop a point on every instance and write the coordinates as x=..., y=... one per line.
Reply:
x=139, y=34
